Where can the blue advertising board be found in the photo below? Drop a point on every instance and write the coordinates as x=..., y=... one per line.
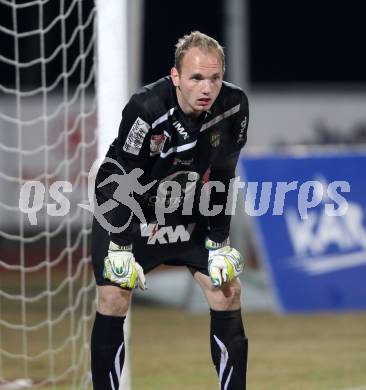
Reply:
x=310, y=219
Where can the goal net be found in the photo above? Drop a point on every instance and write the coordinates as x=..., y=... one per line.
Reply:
x=48, y=143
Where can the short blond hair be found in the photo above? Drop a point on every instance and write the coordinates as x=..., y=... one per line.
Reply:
x=199, y=40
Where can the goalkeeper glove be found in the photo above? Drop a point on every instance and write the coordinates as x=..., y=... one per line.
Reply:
x=121, y=268
x=224, y=262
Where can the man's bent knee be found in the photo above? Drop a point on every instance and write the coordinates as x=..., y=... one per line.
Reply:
x=113, y=301
x=226, y=297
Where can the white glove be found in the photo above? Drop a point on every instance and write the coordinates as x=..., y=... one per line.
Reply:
x=224, y=264
x=121, y=268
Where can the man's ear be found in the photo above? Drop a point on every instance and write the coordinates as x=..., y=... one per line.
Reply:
x=174, y=74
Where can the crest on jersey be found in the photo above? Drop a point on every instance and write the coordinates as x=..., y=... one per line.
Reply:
x=157, y=142
x=215, y=139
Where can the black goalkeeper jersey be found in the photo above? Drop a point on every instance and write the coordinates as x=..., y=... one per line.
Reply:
x=156, y=136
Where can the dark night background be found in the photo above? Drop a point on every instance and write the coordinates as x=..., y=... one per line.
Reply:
x=290, y=43
x=307, y=41
x=165, y=24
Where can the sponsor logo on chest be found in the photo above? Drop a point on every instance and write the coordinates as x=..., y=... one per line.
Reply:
x=181, y=130
x=178, y=161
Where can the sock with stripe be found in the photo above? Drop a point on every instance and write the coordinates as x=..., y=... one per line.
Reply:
x=229, y=349
x=107, y=351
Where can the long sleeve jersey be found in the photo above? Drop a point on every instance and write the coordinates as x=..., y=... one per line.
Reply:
x=157, y=137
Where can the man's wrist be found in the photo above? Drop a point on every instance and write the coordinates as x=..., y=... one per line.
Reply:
x=116, y=247
x=213, y=245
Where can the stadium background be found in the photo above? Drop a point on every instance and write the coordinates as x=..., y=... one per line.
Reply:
x=303, y=68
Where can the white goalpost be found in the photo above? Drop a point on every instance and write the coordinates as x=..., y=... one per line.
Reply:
x=112, y=92
x=57, y=115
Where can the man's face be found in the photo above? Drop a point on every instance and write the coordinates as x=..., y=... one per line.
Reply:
x=199, y=81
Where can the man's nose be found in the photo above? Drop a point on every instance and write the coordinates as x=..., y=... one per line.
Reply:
x=206, y=86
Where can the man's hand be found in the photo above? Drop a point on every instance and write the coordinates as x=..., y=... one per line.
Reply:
x=224, y=264
x=121, y=268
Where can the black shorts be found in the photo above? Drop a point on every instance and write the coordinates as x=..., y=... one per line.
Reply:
x=180, y=242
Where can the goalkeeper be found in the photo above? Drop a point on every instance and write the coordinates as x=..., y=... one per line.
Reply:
x=188, y=127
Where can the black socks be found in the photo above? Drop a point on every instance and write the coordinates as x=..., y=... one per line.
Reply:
x=107, y=351
x=229, y=349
